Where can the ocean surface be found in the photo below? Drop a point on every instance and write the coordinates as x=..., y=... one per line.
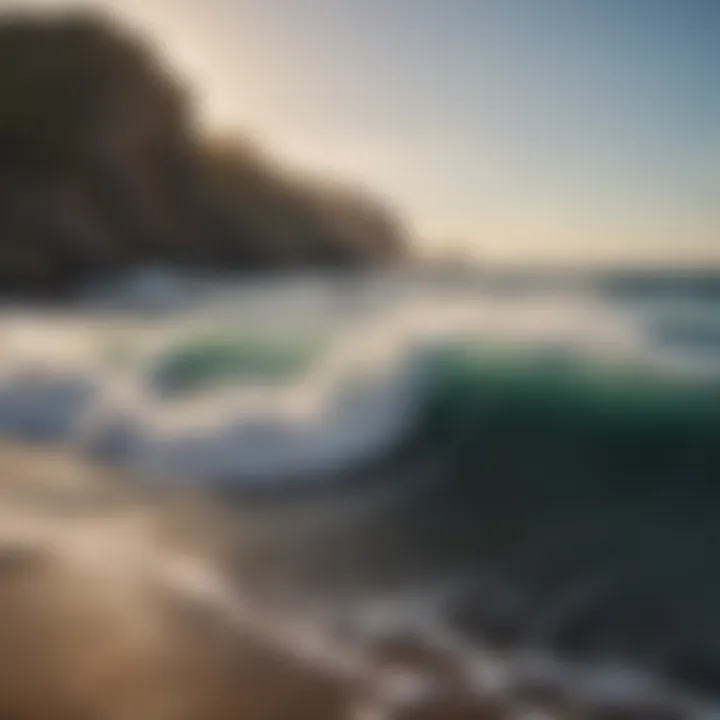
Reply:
x=521, y=466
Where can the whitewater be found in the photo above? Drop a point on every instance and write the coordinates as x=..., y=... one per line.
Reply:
x=522, y=480
x=300, y=378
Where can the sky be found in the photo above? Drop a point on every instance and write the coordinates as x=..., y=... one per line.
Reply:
x=554, y=131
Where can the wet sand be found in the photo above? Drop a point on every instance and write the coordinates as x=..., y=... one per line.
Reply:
x=123, y=604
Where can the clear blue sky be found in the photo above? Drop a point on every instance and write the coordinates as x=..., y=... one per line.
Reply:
x=557, y=130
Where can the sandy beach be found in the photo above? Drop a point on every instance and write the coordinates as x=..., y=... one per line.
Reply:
x=123, y=604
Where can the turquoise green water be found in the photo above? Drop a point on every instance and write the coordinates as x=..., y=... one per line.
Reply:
x=476, y=384
x=207, y=362
x=477, y=391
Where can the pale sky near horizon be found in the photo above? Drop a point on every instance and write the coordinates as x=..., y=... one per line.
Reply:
x=520, y=130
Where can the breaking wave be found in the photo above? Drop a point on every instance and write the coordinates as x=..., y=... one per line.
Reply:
x=546, y=462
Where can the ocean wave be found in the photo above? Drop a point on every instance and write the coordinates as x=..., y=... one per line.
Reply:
x=308, y=391
x=541, y=464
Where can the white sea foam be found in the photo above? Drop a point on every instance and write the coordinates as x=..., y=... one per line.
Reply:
x=85, y=376
x=121, y=554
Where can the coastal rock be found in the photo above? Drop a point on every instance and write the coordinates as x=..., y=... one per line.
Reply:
x=104, y=169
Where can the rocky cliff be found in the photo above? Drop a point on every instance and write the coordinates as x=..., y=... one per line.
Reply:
x=104, y=168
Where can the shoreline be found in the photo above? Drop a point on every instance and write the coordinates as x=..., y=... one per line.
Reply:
x=134, y=585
